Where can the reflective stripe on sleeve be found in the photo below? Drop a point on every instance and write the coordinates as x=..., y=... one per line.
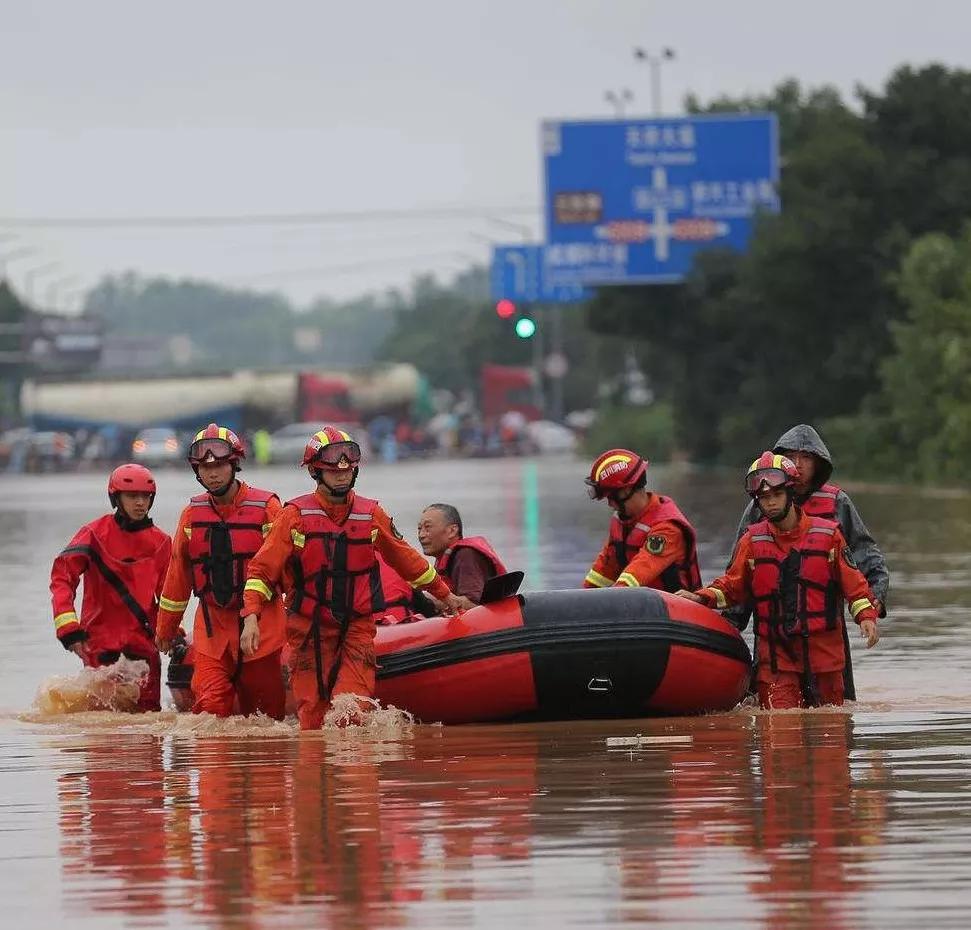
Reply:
x=628, y=579
x=859, y=604
x=175, y=607
x=298, y=538
x=598, y=580
x=254, y=584
x=425, y=578
x=62, y=620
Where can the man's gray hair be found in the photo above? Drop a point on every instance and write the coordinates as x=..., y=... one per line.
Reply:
x=451, y=514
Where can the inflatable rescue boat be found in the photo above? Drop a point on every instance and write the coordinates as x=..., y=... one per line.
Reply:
x=557, y=655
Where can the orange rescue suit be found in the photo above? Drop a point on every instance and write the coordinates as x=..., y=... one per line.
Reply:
x=220, y=669
x=815, y=641
x=330, y=606
x=654, y=550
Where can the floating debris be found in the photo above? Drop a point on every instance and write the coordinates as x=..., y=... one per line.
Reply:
x=642, y=742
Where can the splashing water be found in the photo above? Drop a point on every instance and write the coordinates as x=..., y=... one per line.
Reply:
x=112, y=687
x=367, y=714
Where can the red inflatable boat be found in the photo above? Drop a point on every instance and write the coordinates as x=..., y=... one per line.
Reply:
x=613, y=652
x=558, y=655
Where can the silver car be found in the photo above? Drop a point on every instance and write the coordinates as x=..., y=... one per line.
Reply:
x=159, y=445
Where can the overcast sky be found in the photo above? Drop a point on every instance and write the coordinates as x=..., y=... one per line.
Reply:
x=122, y=108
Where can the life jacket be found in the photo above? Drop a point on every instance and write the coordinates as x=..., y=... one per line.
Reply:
x=335, y=568
x=336, y=574
x=797, y=594
x=478, y=544
x=220, y=550
x=822, y=503
x=399, y=596
x=628, y=540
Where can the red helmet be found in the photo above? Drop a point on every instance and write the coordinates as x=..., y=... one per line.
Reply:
x=613, y=471
x=770, y=470
x=135, y=478
x=333, y=449
x=215, y=444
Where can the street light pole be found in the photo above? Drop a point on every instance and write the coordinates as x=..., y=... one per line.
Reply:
x=55, y=286
x=619, y=99
x=654, y=60
x=69, y=298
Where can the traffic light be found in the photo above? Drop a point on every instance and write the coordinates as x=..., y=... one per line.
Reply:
x=505, y=309
x=525, y=327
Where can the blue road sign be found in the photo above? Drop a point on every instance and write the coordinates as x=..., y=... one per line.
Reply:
x=521, y=273
x=633, y=201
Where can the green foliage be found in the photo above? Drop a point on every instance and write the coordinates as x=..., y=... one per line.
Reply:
x=449, y=336
x=450, y=333
x=918, y=425
x=244, y=328
x=12, y=311
x=796, y=329
x=647, y=430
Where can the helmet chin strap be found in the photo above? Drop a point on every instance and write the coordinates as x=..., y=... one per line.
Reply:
x=318, y=476
x=781, y=516
x=219, y=492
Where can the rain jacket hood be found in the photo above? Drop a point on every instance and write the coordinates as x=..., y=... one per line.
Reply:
x=803, y=438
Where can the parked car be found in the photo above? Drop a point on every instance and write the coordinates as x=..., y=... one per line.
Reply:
x=549, y=437
x=288, y=442
x=158, y=445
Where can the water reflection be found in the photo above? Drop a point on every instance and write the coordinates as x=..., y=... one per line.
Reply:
x=757, y=816
x=744, y=820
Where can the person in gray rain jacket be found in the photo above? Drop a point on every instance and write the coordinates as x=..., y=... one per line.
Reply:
x=818, y=497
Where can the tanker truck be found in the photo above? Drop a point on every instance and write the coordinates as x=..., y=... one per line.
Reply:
x=240, y=399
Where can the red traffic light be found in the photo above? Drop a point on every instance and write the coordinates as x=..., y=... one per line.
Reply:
x=505, y=309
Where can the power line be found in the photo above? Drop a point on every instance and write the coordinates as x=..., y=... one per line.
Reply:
x=265, y=219
x=337, y=269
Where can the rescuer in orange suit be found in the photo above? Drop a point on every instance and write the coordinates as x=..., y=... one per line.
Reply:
x=795, y=571
x=322, y=549
x=651, y=543
x=219, y=531
x=122, y=557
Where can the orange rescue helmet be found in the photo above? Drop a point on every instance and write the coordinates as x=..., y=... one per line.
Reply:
x=332, y=449
x=215, y=444
x=770, y=470
x=615, y=470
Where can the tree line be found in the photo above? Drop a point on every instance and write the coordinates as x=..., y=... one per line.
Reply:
x=851, y=309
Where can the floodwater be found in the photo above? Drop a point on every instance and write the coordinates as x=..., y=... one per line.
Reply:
x=824, y=819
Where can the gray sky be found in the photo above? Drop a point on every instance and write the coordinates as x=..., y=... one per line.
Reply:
x=121, y=108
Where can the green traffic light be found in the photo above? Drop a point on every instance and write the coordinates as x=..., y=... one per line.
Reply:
x=525, y=328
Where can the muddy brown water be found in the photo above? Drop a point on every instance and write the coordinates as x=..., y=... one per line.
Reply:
x=826, y=819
